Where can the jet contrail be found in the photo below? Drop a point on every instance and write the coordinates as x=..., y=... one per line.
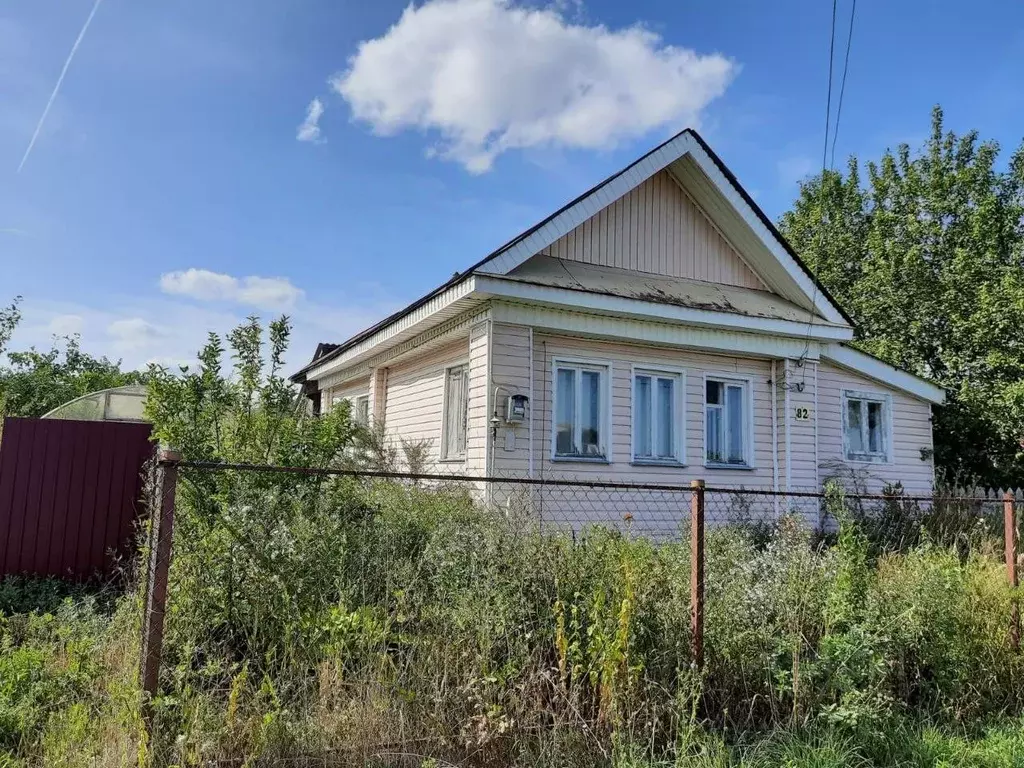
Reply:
x=56, y=88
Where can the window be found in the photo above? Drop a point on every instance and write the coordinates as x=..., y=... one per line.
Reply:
x=866, y=426
x=657, y=416
x=359, y=406
x=361, y=409
x=726, y=422
x=581, y=411
x=456, y=413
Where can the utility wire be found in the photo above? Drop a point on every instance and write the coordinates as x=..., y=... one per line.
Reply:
x=842, y=87
x=828, y=101
x=821, y=188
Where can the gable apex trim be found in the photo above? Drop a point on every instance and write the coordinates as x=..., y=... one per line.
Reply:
x=688, y=142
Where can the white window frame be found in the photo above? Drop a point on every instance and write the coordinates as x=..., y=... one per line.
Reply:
x=443, y=453
x=678, y=457
x=865, y=397
x=604, y=368
x=353, y=403
x=748, y=439
x=357, y=417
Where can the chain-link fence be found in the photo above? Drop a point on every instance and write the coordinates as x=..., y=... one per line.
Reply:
x=662, y=511
x=392, y=559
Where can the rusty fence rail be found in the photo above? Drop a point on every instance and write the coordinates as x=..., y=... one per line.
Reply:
x=659, y=511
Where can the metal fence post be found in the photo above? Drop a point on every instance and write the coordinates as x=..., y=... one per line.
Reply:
x=161, y=534
x=697, y=571
x=1010, y=533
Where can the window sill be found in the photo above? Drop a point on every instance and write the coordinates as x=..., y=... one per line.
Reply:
x=737, y=467
x=454, y=460
x=579, y=460
x=657, y=463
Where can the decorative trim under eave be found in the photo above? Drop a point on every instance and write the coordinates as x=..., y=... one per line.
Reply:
x=440, y=334
x=658, y=312
x=650, y=332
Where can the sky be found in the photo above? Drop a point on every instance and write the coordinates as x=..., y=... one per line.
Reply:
x=333, y=160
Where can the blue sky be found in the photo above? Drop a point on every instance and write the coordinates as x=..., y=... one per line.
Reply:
x=174, y=189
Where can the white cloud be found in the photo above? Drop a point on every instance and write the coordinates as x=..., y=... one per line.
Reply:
x=309, y=130
x=200, y=284
x=268, y=292
x=65, y=325
x=271, y=293
x=132, y=334
x=489, y=76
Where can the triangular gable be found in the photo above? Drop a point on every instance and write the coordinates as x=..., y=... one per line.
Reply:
x=712, y=187
x=716, y=191
x=658, y=229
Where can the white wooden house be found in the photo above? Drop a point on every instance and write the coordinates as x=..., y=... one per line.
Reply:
x=657, y=328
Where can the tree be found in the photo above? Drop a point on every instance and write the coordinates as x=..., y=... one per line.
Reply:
x=927, y=256
x=34, y=382
x=10, y=316
x=254, y=416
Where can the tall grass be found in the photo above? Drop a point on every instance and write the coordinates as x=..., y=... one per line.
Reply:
x=391, y=624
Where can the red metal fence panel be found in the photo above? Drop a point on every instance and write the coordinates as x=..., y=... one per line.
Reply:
x=70, y=494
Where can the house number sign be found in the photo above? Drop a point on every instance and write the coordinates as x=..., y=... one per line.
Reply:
x=803, y=414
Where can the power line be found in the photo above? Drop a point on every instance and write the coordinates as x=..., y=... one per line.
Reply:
x=828, y=101
x=842, y=88
x=821, y=188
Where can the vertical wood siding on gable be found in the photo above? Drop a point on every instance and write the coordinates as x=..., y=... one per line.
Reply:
x=657, y=228
x=414, y=400
x=911, y=432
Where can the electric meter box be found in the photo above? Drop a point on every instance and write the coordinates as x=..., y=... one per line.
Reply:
x=515, y=409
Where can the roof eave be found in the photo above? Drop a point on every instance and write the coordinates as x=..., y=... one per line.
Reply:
x=578, y=300
x=881, y=371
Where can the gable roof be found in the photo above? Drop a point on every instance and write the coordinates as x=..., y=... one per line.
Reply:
x=688, y=143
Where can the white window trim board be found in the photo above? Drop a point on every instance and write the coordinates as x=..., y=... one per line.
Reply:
x=874, y=396
x=463, y=363
x=658, y=369
x=606, y=410
x=749, y=444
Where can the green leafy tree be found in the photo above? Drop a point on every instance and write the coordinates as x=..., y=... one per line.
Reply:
x=234, y=530
x=34, y=382
x=927, y=255
x=10, y=316
x=254, y=416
